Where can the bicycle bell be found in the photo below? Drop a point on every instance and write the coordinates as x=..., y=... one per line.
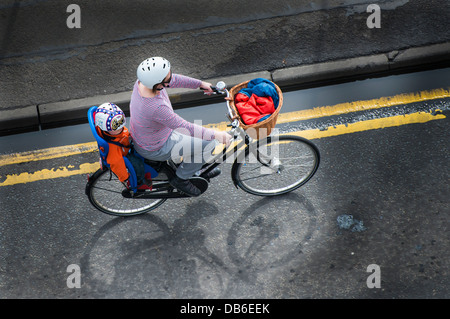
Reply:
x=221, y=86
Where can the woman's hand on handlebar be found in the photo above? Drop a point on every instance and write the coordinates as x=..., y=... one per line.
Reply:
x=206, y=87
x=223, y=137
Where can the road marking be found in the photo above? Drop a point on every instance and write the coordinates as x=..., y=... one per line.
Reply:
x=48, y=153
x=368, y=125
x=86, y=168
x=357, y=106
x=380, y=123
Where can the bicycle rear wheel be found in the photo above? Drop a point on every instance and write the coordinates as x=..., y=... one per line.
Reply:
x=276, y=165
x=104, y=191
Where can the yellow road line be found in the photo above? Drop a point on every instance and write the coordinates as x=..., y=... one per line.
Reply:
x=45, y=174
x=48, y=153
x=380, y=123
x=345, y=108
x=368, y=125
x=317, y=112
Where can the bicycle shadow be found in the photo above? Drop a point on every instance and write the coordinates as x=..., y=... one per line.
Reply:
x=265, y=239
x=143, y=256
x=125, y=253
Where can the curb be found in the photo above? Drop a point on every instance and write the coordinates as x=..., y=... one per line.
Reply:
x=365, y=65
x=33, y=118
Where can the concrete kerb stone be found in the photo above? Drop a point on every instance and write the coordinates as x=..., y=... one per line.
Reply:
x=306, y=74
x=19, y=119
x=422, y=55
x=76, y=110
x=330, y=70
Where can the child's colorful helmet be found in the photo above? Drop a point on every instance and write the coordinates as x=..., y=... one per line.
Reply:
x=109, y=117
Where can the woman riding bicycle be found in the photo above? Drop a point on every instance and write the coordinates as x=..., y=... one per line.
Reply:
x=160, y=134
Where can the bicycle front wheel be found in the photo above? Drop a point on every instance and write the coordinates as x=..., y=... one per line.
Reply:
x=104, y=191
x=276, y=165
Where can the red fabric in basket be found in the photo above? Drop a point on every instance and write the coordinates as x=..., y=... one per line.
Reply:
x=252, y=109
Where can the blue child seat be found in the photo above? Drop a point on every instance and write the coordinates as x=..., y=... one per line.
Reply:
x=103, y=148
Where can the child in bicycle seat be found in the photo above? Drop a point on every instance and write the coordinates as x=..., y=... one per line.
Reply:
x=110, y=123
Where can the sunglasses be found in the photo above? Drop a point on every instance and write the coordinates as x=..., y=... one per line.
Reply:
x=165, y=82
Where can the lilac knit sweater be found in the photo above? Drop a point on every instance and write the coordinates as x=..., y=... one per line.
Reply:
x=153, y=119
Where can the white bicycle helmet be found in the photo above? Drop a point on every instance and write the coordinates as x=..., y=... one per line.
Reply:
x=153, y=71
x=109, y=117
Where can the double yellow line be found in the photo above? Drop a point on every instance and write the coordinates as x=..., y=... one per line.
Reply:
x=318, y=112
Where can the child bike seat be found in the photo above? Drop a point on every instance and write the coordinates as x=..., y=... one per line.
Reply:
x=103, y=148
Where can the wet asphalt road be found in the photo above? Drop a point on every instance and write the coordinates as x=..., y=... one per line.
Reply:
x=228, y=244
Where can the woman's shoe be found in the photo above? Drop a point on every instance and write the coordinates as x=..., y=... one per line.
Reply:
x=185, y=186
x=214, y=173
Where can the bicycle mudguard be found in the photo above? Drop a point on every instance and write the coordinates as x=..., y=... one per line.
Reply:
x=234, y=174
x=91, y=179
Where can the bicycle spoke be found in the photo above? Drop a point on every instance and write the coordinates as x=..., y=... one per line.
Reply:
x=107, y=190
x=259, y=176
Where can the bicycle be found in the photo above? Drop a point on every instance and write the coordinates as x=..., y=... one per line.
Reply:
x=270, y=166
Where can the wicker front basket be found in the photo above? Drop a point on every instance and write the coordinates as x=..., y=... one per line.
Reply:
x=262, y=129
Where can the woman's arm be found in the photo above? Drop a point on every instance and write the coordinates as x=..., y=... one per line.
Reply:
x=186, y=82
x=182, y=81
x=169, y=118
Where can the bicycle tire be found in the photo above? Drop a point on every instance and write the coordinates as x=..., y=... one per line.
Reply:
x=104, y=191
x=246, y=169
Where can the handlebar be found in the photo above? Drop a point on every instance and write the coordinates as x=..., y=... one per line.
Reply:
x=221, y=88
